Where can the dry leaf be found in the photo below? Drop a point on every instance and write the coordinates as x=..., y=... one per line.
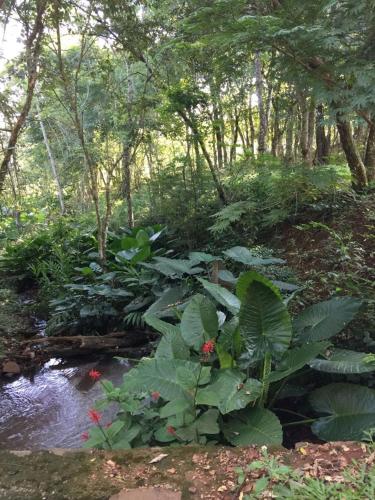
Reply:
x=158, y=458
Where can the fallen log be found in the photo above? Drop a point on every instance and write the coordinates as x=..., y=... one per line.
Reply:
x=117, y=343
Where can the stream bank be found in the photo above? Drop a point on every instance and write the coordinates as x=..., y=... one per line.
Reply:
x=192, y=472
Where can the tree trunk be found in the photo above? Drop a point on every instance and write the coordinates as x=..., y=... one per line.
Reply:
x=357, y=168
x=33, y=47
x=370, y=153
x=126, y=158
x=261, y=108
x=310, y=133
x=51, y=160
x=289, y=157
x=322, y=140
x=193, y=127
x=304, y=127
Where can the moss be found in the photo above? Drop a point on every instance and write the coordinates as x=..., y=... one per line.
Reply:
x=45, y=475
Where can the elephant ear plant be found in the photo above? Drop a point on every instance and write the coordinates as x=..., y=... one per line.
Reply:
x=216, y=375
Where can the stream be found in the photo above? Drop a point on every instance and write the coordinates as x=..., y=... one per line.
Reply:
x=49, y=409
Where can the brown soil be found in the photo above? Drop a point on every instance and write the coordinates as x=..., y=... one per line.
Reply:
x=197, y=472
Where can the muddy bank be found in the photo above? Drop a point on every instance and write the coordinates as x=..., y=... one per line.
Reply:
x=196, y=472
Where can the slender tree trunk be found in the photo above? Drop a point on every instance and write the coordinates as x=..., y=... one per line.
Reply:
x=33, y=48
x=289, y=157
x=310, y=133
x=51, y=160
x=252, y=128
x=357, y=168
x=304, y=126
x=193, y=127
x=322, y=140
x=261, y=107
x=370, y=153
x=126, y=159
x=235, y=130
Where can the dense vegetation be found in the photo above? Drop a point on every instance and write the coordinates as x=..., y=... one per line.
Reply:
x=154, y=155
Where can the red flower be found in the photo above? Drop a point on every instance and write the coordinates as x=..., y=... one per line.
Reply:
x=155, y=396
x=208, y=347
x=171, y=430
x=85, y=436
x=94, y=374
x=94, y=416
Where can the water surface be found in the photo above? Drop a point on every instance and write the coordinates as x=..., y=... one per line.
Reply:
x=49, y=409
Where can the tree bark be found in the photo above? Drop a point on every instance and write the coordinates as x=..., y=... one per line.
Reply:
x=126, y=159
x=261, y=107
x=33, y=48
x=51, y=160
x=322, y=140
x=357, y=168
x=370, y=153
x=289, y=157
x=193, y=127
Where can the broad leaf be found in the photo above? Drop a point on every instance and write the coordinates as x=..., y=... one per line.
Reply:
x=243, y=255
x=170, y=298
x=228, y=393
x=264, y=321
x=175, y=407
x=172, y=346
x=351, y=410
x=173, y=268
x=198, y=257
x=344, y=361
x=222, y=295
x=161, y=326
x=256, y=426
x=160, y=375
x=199, y=321
x=325, y=319
x=297, y=358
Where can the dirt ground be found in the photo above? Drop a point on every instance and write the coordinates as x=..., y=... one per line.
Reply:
x=196, y=472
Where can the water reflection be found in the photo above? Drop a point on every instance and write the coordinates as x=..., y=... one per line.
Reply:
x=50, y=409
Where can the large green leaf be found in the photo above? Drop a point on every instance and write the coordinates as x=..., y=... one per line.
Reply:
x=161, y=326
x=243, y=255
x=198, y=257
x=351, y=410
x=255, y=426
x=228, y=392
x=222, y=295
x=170, y=298
x=161, y=375
x=205, y=424
x=172, y=346
x=325, y=319
x=245, y=280
x=264, y=321
x=297, y=358
x=345, y=361
x=199, y=321
x=173, y=268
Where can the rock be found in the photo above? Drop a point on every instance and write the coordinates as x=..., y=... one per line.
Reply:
x=147, y=494
x=11, y=367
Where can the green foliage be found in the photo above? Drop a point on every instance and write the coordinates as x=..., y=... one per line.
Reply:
x=216, y=374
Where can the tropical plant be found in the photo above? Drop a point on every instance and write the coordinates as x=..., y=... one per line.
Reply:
x=216, y=374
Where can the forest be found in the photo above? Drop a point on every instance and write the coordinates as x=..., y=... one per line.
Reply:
x=187, y=233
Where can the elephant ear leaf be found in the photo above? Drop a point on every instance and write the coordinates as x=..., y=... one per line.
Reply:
x=350, y=409
x=324, y=320
x=264, y=321
x=345, y=361
x=199, y=321
x=256, y=426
